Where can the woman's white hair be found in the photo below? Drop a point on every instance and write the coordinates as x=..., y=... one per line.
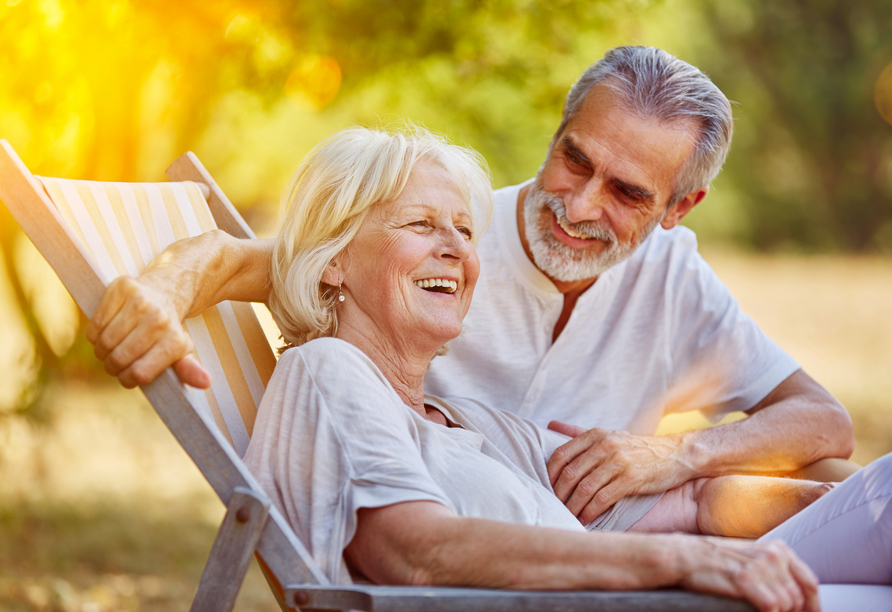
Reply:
x=328, y=198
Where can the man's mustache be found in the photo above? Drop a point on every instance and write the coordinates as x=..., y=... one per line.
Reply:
x=590, y=229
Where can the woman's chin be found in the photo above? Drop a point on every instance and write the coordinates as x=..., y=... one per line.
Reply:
x=442, y=334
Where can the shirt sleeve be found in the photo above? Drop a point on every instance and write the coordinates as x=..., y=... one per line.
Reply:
x=721, y=360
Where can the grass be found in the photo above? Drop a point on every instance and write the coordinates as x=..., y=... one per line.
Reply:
x=101, y=511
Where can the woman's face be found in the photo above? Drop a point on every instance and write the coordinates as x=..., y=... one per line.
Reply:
x=411, y=270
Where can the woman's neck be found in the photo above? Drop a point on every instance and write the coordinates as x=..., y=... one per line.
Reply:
x=403, y=367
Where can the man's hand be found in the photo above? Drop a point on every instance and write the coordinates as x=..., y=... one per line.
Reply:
x=138, y=328
x=137, y=331
x=599, y=467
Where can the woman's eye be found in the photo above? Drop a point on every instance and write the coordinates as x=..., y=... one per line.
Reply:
x=466, y=232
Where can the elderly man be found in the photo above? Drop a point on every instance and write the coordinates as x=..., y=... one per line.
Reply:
x=593, y=308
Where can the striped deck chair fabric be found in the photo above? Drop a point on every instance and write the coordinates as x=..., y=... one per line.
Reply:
x=124, y=226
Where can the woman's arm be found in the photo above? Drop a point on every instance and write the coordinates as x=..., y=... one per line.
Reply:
x=138, y=328
x=424, y=543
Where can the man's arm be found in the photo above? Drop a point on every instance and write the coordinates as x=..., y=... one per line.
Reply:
x=798, y=423
x=137, y=331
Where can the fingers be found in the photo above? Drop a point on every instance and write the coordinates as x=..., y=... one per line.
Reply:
x=566, y=429
x=190, y=372
x=808, y=583
x=584, y=443
x=163, y=353
x=115, y=297
x=592, y=506
x=137, y=333
x=767, y=574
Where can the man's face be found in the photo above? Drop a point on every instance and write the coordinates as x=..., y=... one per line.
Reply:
x=603, y=188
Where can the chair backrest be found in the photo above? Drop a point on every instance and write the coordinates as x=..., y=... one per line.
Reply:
x=91, y=232
x=124, y=226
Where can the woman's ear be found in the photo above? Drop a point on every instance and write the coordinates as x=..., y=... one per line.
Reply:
x=336, y=270
x=332, y=275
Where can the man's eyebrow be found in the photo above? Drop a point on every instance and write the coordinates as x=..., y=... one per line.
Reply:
x=635, y=191
x=574, y=150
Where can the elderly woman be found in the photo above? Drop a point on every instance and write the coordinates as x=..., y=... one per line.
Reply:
x=374, y=270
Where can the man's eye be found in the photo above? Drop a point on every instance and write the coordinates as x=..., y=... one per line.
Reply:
x=576, y=163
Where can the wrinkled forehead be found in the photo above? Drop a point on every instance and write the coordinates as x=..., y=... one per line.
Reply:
x=466, y=182
x=606, y=99
x=429, y=187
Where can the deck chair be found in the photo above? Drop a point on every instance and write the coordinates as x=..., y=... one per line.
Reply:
x=91, y=232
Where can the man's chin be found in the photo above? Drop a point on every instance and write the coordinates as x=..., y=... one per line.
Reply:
x=569, y=267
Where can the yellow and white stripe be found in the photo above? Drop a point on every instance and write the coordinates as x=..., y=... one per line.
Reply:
x=124, y=226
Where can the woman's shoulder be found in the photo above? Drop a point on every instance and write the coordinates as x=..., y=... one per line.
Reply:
x=332, y=367
x=326, y=356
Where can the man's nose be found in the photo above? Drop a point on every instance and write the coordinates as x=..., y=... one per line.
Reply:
x=586, y=201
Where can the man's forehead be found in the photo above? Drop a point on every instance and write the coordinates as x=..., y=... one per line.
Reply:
x=621, y=142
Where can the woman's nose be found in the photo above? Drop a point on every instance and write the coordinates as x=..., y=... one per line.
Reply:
x=455, y=245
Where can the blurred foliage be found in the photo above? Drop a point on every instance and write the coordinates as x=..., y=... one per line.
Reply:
x=115, y=90
x=812, y=153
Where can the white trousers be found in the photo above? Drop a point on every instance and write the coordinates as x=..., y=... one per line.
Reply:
x=846, y=538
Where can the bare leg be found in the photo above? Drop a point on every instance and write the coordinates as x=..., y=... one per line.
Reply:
x=827, y=470
x=734, y=506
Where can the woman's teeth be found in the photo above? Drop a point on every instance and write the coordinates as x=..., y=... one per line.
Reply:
x=438, y=284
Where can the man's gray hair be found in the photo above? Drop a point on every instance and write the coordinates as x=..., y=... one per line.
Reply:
x=653, y=84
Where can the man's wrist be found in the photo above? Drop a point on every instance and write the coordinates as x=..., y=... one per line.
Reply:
x=694, y=454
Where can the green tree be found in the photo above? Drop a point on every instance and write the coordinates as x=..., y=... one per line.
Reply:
x=115, y=90
x=812, y=155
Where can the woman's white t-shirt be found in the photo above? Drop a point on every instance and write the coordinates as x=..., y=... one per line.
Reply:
x=332, y=436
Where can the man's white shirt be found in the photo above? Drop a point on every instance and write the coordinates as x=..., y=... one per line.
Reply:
x=656, y=333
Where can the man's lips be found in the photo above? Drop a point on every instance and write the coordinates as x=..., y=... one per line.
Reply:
x=572, y=241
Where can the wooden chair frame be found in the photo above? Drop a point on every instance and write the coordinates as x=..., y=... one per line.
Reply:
x=251, y=524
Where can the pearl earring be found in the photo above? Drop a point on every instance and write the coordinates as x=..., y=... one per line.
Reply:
x=340, y=295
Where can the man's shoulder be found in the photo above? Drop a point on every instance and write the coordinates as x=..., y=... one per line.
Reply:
x=679, y=240
x=667, y=261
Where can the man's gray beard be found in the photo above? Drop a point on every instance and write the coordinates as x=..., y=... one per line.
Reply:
x=562, y=262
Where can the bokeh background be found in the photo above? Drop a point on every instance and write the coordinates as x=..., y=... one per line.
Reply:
x=100, y=510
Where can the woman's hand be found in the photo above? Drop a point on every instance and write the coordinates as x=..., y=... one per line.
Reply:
x=767, y=574
x=138, y=331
